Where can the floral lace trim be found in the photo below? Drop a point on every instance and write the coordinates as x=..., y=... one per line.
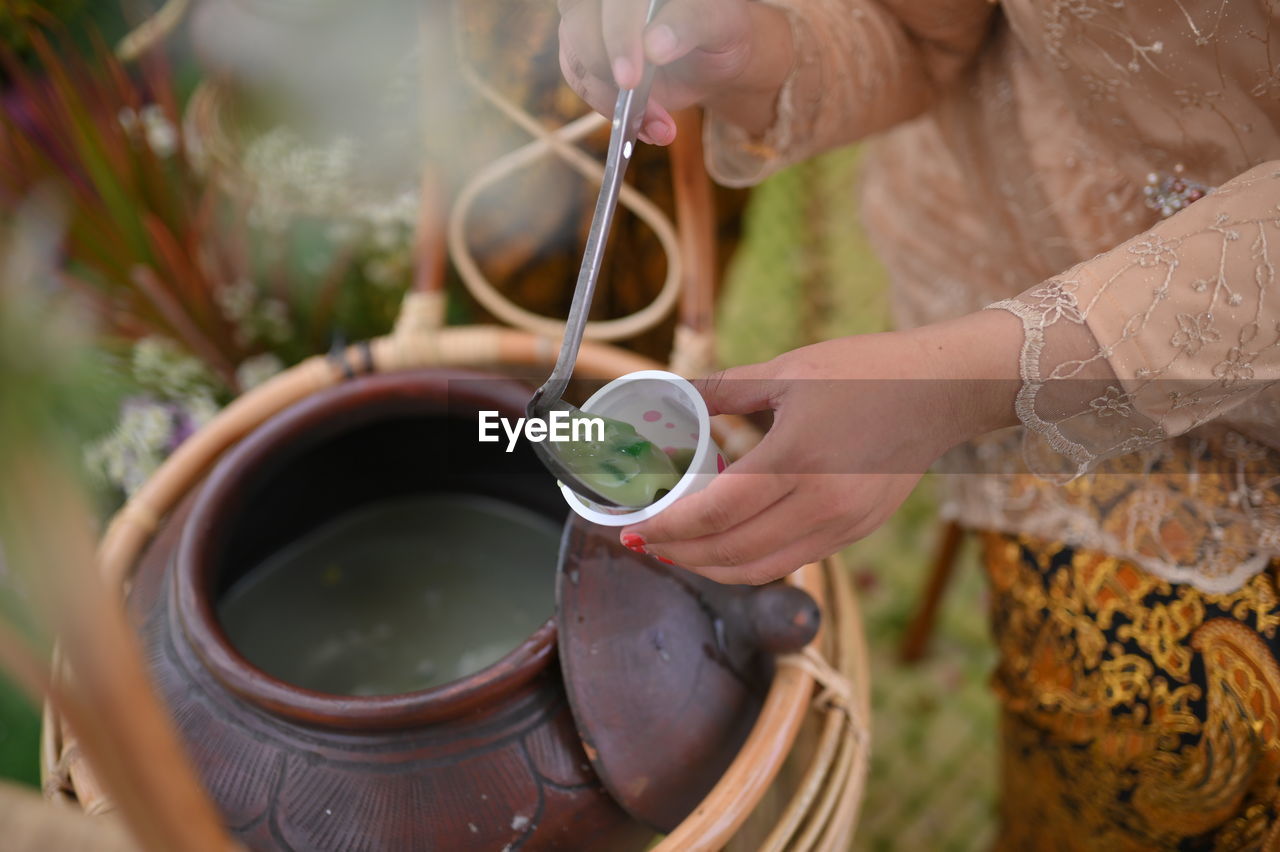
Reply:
x=1033, y=326
x=1076, y=527
x=1146, y=368
x=1200, y=509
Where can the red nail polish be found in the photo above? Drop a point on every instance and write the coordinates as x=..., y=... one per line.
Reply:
x=631, y=541
x=664, y=561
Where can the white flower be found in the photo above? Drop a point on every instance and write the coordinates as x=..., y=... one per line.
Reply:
x=386, y=271
x=256, y=370
x=236, y=300
x=201, y=409
x=161, y=135
x=158, y=364
x=133, y=450
x=274, y=319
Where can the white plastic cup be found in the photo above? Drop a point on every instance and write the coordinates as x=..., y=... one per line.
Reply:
x=670, y=413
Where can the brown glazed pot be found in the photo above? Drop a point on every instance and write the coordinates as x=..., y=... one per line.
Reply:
x=491, y=761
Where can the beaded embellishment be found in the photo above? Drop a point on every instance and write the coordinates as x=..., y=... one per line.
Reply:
x=1169, y=193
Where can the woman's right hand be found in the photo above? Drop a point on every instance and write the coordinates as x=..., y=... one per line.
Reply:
x=703, y=50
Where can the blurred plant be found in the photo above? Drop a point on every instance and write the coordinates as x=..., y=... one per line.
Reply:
x=208, y=290
x=172, y=395
x=16, y=17
x=152, y=241
x=136, y=234
x=175, y=395
x=290, y=174
x=49, y=585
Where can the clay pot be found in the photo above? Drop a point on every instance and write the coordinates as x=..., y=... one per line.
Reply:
x=490, y=761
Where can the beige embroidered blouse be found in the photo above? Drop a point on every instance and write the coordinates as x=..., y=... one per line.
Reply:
x=1023, y=153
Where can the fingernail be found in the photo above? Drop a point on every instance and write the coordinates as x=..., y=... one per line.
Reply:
x=662, y=43
x=631, y=541
x=657, y=131
x=622, y=72
x=663, y=560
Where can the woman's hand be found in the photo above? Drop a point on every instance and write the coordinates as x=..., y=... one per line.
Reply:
x=857, y=421
x=732, y=52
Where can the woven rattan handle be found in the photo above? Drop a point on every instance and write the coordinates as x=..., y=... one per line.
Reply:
x=694, y=351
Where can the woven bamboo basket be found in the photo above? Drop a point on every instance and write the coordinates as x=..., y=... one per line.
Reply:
x=797, y=782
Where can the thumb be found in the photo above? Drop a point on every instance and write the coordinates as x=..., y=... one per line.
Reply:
x=741, y=390
x=682, y=26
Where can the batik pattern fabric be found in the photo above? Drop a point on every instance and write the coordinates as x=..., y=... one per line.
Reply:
x=1136, y=713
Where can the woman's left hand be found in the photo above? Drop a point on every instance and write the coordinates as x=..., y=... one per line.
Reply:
x=857, y=421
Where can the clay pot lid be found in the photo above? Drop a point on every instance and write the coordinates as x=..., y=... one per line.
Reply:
x=665, y=670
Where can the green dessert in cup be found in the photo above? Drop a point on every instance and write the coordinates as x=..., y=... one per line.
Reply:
x=624, y=466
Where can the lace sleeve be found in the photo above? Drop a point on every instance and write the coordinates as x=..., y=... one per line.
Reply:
x=861, y=66
x=1164, y=333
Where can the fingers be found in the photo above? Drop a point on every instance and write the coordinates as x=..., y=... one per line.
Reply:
x=622, y=23
x=775, y=566
x=586, y=69
x=659, y=127
x=756, y=536
x=740, y=390
x=580, y=42
x=582, y=59
x=595, y=91
x=750, y=485
x=809, y=523
x=747, y=488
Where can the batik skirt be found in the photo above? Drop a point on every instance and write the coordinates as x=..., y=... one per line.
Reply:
x=1137, y=714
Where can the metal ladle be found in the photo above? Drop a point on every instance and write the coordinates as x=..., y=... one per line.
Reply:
x=628, y=113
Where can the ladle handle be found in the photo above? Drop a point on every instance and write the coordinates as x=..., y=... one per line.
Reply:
x=628, y=113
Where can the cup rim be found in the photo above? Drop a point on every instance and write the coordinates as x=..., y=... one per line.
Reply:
x=321, y=417
x=706, y=445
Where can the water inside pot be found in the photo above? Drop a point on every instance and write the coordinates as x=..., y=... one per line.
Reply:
x=388, y=555
x=397, y=596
